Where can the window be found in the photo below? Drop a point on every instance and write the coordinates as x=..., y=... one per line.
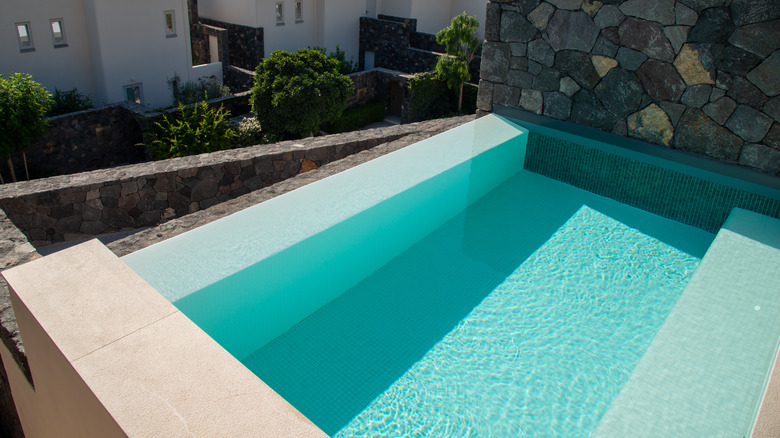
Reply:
x=25, y=37
x=133, y=94
x=279, y=13
x=58, y=33
x=298, y=12
x=170, y=24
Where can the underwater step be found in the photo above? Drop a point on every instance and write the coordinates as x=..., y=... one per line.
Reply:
x=707, y=368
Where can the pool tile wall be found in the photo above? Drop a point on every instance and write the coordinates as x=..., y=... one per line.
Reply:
x=683, y=198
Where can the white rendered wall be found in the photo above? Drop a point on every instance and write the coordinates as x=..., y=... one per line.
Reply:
x=397, y=8
x=471, y=7
x=241, y=12
x=131, y=47
x=65, y=67
x=432, y=15
x=293, y=34
x=343, y=29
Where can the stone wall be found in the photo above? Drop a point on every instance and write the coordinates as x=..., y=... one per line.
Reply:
x=698, y=75
x=398, y=46
x=237, y=79
x=98, y=139
x=122, y=198
x=245, y=45
x=390, y=40
x=201, y=46
x=83, y=141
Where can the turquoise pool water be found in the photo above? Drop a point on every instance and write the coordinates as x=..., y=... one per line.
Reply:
x=442, y=290
x=521, y=316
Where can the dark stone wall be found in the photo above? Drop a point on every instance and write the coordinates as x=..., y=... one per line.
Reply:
x=701, y=76
x=245, y=45
x=83, y=141
x=98, y=139
x=237, y=79
x=398, y=46
x=104, y=201
x=390, y=39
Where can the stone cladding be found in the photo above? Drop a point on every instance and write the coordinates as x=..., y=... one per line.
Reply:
x=85, y=140
x=245, y=45
x=697, y=75
x=398, y=46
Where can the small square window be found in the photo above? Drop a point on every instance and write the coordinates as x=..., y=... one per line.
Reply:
x=25, y=37
x=58, y=33
x=133, y=94
x=170, y=24
x=298, y=12
x=279, y=13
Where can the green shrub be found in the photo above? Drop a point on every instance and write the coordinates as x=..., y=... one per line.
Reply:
x=65, y=102
x=250, y=133
x=189, y=92
x=345, y=66
x=24, y=104
x=358, y=117
x=432, y=98
x=190, y=130
x=296, y=93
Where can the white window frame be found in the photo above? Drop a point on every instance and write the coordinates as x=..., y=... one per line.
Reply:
x=61, y=42
x=140, y=87
x=169, y=32
x=279, y=13
x=299, y=11
x=25, y=46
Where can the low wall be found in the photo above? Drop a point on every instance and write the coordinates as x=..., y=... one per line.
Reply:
x=238, y=79
x=83, y=141
x=127, y=197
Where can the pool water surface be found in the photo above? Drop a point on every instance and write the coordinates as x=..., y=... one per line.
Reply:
x=523, y=315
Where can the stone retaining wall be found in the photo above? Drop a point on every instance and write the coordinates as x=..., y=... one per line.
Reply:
x=82, y=141
x=398, y=46
x=237, y=79
x=695, y=75
x=245, y=45
x=122, y=198
x=390, y=40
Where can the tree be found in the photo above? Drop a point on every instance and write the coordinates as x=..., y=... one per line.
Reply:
x=460, y=43
x=295, y=93
x=24, y=104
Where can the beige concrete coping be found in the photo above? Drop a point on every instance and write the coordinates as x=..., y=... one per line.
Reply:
x=111, y=357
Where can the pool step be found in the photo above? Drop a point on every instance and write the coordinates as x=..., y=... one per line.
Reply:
x=705, y=372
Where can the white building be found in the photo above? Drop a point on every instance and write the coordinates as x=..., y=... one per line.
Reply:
x=293, y=24
x=113, y=50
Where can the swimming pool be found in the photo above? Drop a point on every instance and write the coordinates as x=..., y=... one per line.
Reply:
x=442, y=289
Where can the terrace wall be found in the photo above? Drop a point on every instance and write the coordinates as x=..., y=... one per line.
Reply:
x=122, y=198
x=398, y=46
x=694, y=75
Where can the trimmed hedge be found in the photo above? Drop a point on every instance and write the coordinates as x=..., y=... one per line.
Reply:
x=358, y=117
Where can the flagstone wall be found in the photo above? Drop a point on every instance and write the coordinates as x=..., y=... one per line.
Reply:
x=698, y=75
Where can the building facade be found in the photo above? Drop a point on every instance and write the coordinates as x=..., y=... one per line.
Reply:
x=112, y=50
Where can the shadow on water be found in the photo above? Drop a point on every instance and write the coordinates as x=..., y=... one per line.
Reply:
x=332, y=364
